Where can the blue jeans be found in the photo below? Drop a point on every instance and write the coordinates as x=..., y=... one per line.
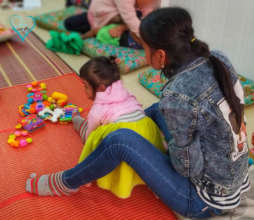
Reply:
x=78, y=23
x=154, y=167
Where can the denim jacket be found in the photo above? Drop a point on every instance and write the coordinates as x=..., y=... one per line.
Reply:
x=203, y=143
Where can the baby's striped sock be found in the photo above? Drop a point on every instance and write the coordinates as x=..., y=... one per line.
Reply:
x=80, y=125
x=48, y=185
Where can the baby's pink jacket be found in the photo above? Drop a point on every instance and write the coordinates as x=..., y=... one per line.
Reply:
x=102, y=11
x=110, y=104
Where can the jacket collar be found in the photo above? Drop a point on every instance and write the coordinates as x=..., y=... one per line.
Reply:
x=191, y=65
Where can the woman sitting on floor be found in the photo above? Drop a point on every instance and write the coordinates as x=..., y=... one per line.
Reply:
x=126, y=14
x=201, y=113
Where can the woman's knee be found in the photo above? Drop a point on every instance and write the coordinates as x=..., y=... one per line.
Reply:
x=125, y=140
x=151, y=110
x=122, y=136
x=77, y=23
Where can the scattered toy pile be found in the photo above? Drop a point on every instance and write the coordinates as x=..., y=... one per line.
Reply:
x=40, y=107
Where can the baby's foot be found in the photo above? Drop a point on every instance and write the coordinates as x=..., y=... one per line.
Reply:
x=48, y=185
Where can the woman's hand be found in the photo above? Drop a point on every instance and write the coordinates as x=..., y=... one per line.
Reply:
x=89, y=34
x=118, y=30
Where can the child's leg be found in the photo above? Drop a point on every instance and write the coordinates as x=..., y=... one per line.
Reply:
x=78, y=23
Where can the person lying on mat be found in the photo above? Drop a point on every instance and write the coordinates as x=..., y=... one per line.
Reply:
x=113, y=106
x=201, y=113
x=126, y=13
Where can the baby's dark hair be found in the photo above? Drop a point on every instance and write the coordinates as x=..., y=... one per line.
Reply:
x=100, y=70
x=170, y=29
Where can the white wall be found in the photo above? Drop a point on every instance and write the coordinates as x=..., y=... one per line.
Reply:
x=227, y=25
x=165, y=3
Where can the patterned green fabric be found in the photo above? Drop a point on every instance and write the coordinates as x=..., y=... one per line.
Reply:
x=55, y=20
x=248, y=86
x=129, y=59
x=154, y=81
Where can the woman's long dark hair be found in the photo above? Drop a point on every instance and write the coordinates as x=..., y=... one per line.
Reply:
x=170, y=29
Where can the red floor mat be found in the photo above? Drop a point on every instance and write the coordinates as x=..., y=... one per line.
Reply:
x=57, y=147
